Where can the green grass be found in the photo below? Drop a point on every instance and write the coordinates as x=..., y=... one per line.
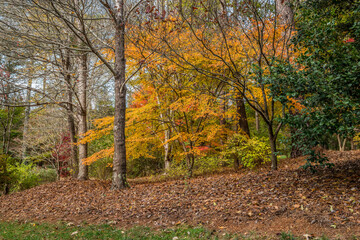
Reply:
x=27, y=231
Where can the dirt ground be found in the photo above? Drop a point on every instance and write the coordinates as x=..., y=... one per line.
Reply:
x=267, y=202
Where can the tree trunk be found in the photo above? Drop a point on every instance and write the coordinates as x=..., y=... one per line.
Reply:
x=222, y=120
x=272, y=140
x=74, y=164
x=26, y=121
x=257, y=121
x=236, y=162
x=190, y=161
x=180, y=7
x=242, y=118
x=352, y=144
x=10, y=116
x=242, y=125
x=71, y=125
x=72, y=134
x=341, y=143
x=167, y=157
x=235, y=10
x=285, y=12
x=119, y=162
x=83, y=169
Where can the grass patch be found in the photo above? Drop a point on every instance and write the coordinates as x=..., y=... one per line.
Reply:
x=29, y=231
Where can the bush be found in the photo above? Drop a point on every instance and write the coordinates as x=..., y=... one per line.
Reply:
x=202, y=165
x=101, y=169
x=177, y=169
x=17, y=177
x=141, y=167
x=4, y=174
x=251, y=152
x=23, y=177
x=210, y=164
x=46, y=175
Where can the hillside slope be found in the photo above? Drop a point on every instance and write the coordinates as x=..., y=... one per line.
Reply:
x=286, y=200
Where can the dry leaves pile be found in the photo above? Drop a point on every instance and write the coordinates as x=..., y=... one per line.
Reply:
x=287, y=200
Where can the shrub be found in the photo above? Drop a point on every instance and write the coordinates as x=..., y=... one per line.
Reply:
x=46, y=175
x=101, y=169
x=4, y=174
x=141, y=167
x=202, y=165
x=177, y=169
x=23, y=177
x=250, y=151
x=209, y=164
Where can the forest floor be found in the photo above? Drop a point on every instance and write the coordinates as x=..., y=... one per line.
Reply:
x=267, y=202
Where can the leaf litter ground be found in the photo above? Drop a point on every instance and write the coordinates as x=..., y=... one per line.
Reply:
x=290, y=200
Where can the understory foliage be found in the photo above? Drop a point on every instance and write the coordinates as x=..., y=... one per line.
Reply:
x=15, y=176
x=251, y=152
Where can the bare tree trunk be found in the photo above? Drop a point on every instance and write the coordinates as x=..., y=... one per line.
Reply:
x=10, y=115
x=242, y=125
x=257, y=121
x=70, y=116
x=222, y=120
x=119, y=162
x=341, y=143
x=167, y=134
x=72, y=132
x=167, y=157
x=26, y=121
x=180, y=2
x=352, y=144
x=272, y=140
x=83, y=169
x=242, y=118
x=190, y=161
x=7, y=124
x=235, y=10
x=285, y=12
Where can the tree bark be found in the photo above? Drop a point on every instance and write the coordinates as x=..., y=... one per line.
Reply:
x=26, y=122
x=222, y=120
x=341, y=143
x=180, y=2
x=83, y=169
x=167, y=157
x=242, y=118
x=272, y=140
x=257, y=121
x=190, y=161
x=70, y=116
x=352, y=144
x=242, y=125
x=285, y=12
x=119, y=162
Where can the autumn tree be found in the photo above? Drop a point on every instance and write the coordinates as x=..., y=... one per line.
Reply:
x=245, y=45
